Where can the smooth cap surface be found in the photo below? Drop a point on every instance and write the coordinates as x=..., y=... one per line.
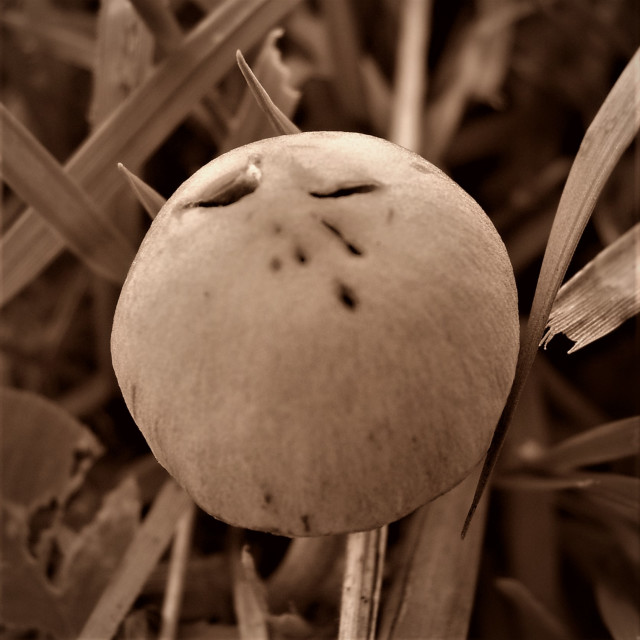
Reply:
x=318, y=334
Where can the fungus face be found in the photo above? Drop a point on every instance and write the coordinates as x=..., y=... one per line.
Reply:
x=318, y=334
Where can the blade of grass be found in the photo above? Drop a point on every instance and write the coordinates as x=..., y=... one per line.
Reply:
x=605, y=443
x=601, y=296
x=177, y=572
x=279, y=121
x=433, y=589
x=610, y=133
x=133, y=132
x=140, y=558
x=146, y=195
x=410, y=74
x=249, y=122
x=39, y=180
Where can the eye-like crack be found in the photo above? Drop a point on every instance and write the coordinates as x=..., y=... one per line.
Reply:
x=356, y=251
x=347, y=296
x=230, y=189
x=347, y=190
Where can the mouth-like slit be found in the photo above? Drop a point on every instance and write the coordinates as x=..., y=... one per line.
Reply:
x=345, y=191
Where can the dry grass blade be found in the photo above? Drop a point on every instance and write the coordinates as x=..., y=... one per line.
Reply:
x=177, y=572
x=610, y=133
x=142, y=122
x=249, y=598
x=279, y=121
x=605, y=443
x=406, y=120
x=433, y=591
x=601, y=296
x=361, y=585
x=41, y=182
x=141, y=557
x=146, y=195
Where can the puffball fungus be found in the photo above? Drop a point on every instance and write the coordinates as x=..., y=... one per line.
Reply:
x=318, y=334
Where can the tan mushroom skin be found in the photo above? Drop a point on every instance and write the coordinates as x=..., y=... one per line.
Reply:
x=318, y=334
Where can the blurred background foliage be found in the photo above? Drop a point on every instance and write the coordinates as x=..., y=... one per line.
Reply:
x=510, y=88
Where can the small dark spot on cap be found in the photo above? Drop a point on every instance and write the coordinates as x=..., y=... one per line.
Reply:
x=391, y=214
x=275, y=264
x=347, y=296
x=305, y=522
x=300, y=255
x=268, y=498
x=277, y=228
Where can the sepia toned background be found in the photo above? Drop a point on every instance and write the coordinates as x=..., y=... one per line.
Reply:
x=98, y=541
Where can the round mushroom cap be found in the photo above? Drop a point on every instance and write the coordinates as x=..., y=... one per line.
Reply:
x=318, y=334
